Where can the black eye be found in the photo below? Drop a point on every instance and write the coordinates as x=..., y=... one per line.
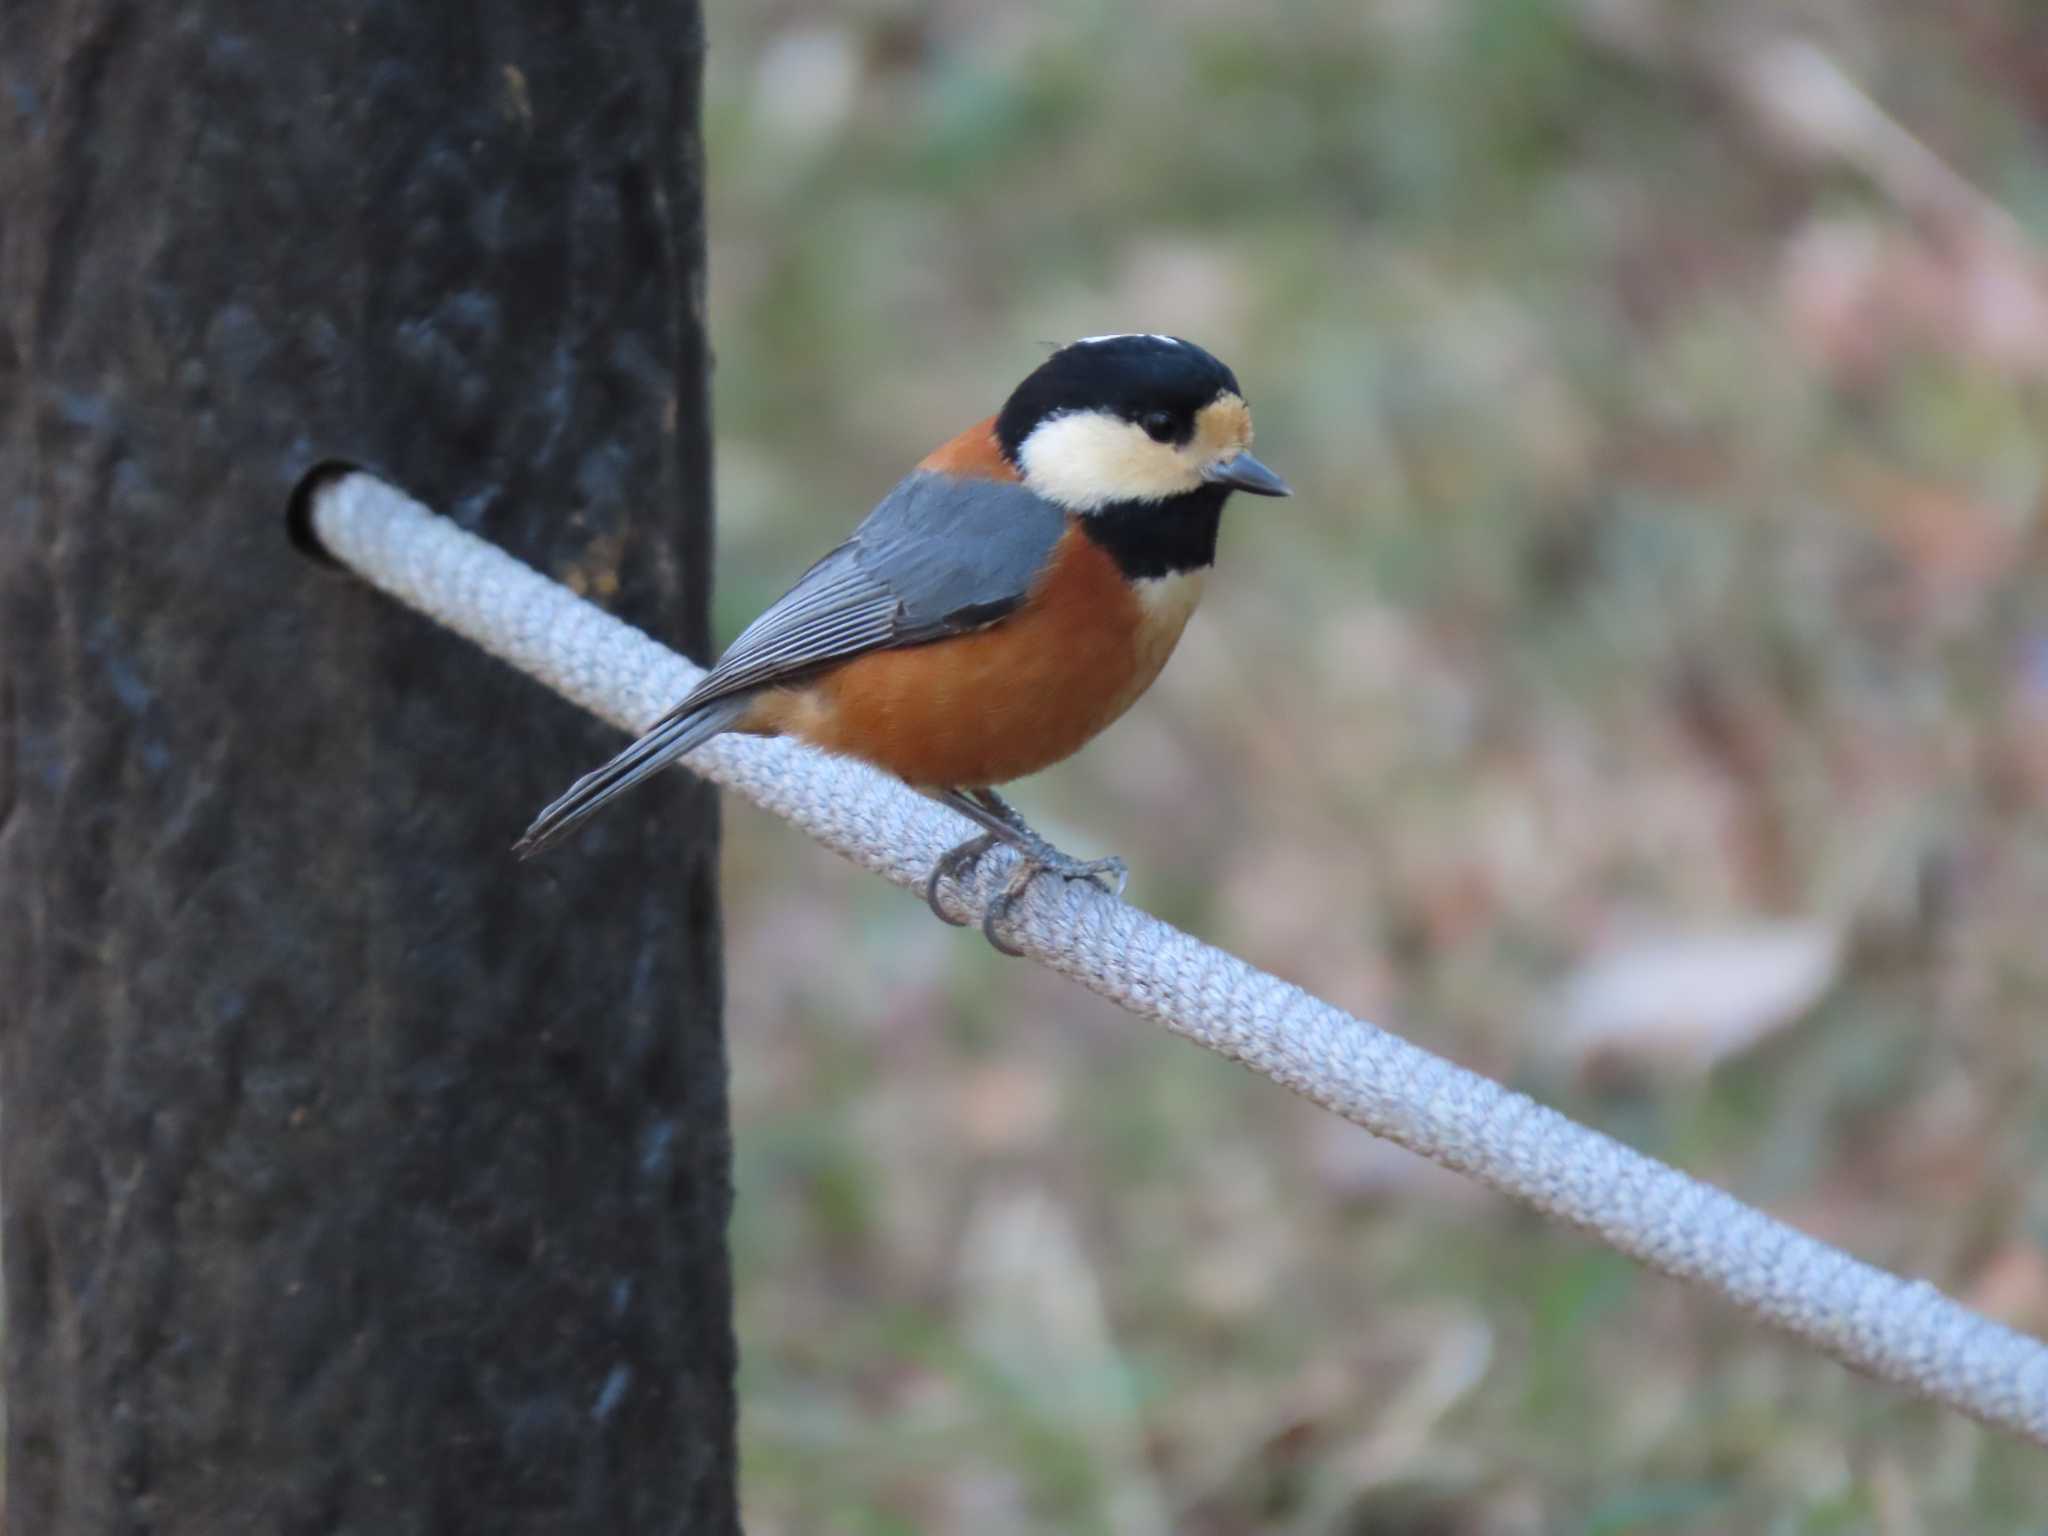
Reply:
x=1158, y=425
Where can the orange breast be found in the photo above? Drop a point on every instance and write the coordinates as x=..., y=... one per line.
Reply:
x=984, y=708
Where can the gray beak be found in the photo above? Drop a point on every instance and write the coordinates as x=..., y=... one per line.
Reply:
x=1245, y=473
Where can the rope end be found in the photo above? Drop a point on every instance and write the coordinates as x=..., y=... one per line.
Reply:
x=298, y=509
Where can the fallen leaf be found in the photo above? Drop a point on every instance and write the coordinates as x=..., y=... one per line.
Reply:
x=1689, y=1000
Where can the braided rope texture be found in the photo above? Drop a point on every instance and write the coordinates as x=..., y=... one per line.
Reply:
x=1903, y=1332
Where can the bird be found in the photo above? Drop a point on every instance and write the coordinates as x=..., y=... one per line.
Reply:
x=1009, y=599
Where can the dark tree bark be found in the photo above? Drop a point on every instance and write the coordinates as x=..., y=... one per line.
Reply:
x=355, y=1178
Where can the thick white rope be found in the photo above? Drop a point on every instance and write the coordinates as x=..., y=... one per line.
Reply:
x=1904, y=1332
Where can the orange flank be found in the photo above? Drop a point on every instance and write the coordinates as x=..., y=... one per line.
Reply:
x=973, y=455
x=980, y=709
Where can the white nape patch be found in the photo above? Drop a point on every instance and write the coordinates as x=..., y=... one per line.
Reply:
x=1096, y=341
x=1087, y=460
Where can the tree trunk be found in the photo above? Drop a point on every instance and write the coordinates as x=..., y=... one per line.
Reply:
x=355, y=1178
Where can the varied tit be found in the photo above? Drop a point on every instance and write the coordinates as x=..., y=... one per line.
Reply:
x=1005, y=602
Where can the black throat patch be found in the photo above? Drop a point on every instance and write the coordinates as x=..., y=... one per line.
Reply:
x=1160, y=538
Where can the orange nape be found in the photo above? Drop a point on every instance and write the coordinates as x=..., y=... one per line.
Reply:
x=981, y=709
x=973, y=455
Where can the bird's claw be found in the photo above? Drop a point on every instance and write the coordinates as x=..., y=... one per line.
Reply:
x=1118, y=871
x=951, y=865
x=1051, y=862
x=1035, y=858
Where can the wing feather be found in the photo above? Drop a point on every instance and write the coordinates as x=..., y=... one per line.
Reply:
x=938, y=556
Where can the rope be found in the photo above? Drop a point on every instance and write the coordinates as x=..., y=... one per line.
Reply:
x=1903, y=1332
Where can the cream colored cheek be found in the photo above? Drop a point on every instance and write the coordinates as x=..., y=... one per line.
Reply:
x=1086, y=461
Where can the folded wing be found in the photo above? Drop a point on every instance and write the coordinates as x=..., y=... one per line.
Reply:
x=939, y=556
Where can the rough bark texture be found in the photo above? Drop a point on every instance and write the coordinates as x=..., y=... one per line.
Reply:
x=355, y=1178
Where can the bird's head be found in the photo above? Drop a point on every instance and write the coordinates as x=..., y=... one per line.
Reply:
x=1117, y=421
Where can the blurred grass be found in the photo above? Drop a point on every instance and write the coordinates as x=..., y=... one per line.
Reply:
x=1668, y=553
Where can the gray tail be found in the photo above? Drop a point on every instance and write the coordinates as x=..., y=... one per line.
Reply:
x=669, y=740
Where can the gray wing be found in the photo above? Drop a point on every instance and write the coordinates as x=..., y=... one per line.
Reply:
x=938, y=556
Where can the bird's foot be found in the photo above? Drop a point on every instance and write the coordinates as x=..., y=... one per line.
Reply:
x=1044, y=859
x=1000, y=823
x=1035, y=858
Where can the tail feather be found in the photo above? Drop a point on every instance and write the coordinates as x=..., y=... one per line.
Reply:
x=650, y=754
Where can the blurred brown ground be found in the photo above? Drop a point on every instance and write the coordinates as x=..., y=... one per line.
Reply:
x=1644, y=700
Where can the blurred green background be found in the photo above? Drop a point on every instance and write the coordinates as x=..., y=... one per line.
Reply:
x=1644, y=700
